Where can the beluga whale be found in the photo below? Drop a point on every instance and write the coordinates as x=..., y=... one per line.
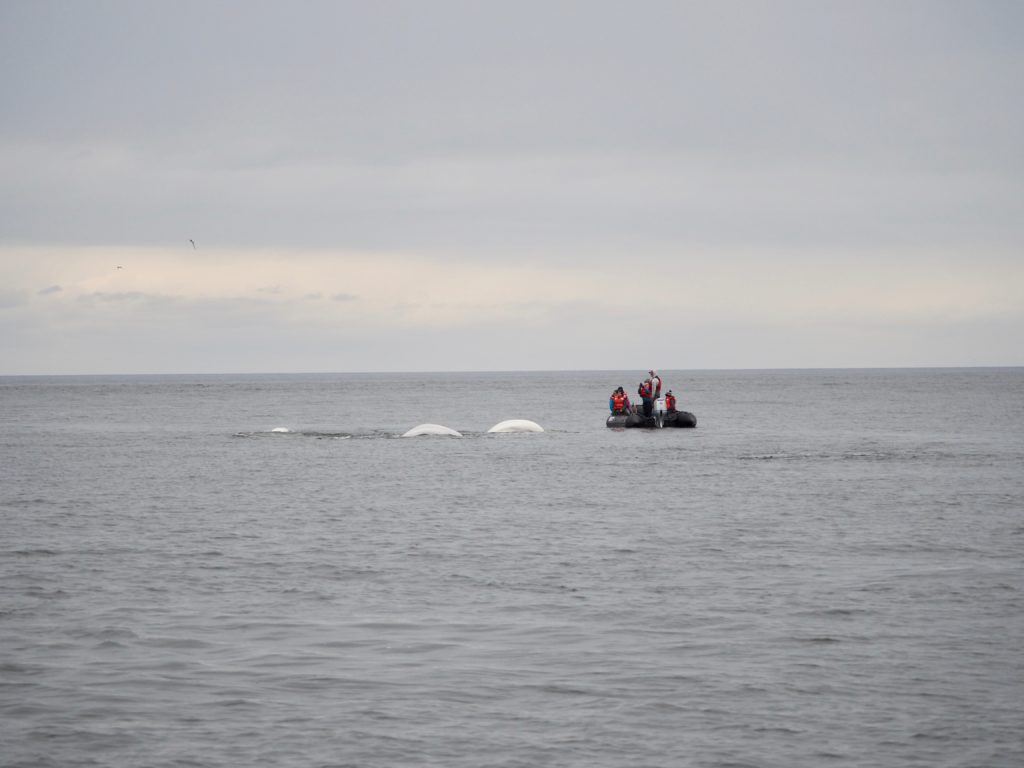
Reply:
x=516, y=425
x=431, y=429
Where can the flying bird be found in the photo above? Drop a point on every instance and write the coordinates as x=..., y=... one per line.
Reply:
x=193, y=243
x=119, y=266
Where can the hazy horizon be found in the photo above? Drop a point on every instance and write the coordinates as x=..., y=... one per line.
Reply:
x=639, y=374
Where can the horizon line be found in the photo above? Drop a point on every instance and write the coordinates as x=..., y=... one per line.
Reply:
x=508, y=371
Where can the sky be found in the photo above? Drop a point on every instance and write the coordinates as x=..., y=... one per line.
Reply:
x=406, y=186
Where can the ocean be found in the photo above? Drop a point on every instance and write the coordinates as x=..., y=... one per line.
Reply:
x=827, y=571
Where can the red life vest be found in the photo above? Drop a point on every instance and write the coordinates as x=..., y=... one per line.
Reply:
x=618, y=402
x=670, y=402
x=645, y=391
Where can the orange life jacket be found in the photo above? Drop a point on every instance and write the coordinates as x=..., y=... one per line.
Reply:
x=618, y=402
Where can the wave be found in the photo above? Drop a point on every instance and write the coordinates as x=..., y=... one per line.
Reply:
x=285, y=432
x=882, y=455
x=374, y=434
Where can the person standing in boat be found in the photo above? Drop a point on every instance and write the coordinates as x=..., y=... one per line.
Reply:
x=655, y=384
x=644, y=390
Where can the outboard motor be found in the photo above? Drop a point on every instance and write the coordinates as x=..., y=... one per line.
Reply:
x=659, y=412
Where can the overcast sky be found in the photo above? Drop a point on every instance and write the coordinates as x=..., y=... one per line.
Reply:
x=490, y=186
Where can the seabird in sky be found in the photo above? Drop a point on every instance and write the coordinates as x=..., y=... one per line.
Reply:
x=193, y=243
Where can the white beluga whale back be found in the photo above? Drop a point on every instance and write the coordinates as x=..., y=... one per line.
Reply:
x=431, y=429
x=517, y=425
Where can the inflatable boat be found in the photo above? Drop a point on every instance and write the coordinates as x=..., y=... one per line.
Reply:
x=657, y=420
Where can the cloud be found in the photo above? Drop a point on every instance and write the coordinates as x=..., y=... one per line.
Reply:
x=728, y=126
x=751, y=180
x=122, y=296
x=11, y=299
x=399, y=290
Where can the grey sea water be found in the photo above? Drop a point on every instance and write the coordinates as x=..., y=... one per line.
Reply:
x=828, y=571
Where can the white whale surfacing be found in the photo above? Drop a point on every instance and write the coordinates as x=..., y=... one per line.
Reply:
x=431, y=429
x=517, y=425
x=280, y=429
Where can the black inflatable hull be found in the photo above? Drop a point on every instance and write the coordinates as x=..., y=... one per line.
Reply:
x=679, y=419
x=682, y=419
